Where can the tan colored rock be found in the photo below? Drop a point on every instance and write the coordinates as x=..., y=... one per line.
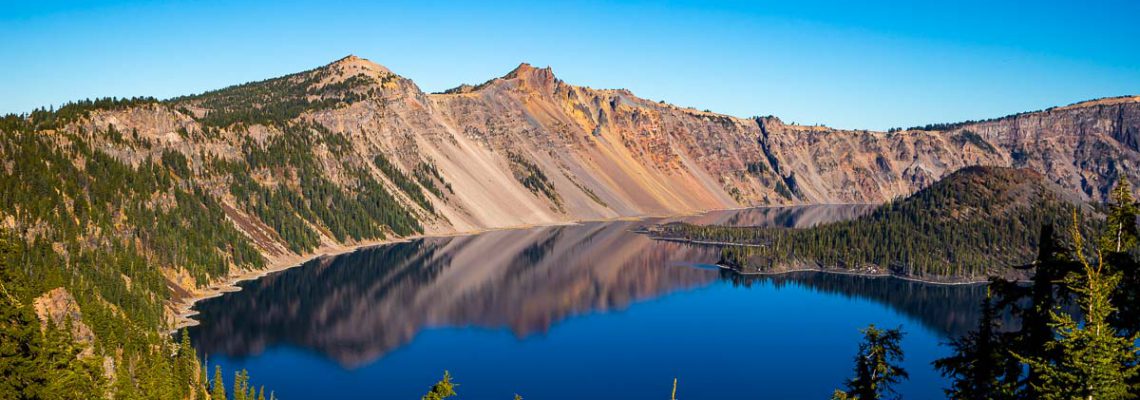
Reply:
x=60, y=308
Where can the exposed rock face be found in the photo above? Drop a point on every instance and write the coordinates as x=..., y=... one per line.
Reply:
x=59, y=308
x=528, y=148
x=608, y=153
x=1084, y=146
x=824, y=165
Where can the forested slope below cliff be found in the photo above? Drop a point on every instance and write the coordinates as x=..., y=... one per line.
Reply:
x=976, y=223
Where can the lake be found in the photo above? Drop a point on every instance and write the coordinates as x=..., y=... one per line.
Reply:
x=570, y=312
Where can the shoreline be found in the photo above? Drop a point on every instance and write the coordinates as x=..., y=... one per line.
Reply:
x=184, y=308
x=809, y=269
x=852, y=273
x=697, y=242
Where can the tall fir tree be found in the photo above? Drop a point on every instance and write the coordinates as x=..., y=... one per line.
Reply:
x=1118, y=245
x=19, y=348
x=241, y=385
x=218, y=386
x=124, y=386
x=1034, y=303
x=1095, y=362
x=186, y=365
x=1121, y=233
x=877, y=367
x=981, y=367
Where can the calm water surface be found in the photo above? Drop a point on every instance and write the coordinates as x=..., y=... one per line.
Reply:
x=571, y=312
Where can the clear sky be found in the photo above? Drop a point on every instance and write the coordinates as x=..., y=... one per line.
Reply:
x=850, y=64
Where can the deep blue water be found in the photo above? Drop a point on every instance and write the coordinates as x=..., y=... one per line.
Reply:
x=573, y=312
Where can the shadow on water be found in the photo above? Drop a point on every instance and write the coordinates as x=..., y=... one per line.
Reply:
x=951, y=310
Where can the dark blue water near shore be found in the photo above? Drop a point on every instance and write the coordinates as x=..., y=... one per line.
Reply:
x=571, y=312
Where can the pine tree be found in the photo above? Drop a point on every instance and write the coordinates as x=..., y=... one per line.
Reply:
x=204, y=378
x=1034, y=303
x=241, y=385
x=186, y=366
x=442, y=389
x=124, y=386
x=19, y=344
x=1121, y=234
x=876, y=365
x=1117, y=244
x=981, y=367
x=1095, y=362
x=218, y=391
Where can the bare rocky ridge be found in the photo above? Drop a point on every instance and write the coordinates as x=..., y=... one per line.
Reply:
x=608, y=153
x=528, y=148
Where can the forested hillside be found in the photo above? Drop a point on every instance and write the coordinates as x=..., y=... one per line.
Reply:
x=975, y=223
x=104, y=226
x=1073, y=333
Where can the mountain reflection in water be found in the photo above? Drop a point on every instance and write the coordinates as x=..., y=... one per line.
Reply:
x=357, y=307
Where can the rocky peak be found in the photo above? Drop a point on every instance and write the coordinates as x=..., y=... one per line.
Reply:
x=530, y=77
x=525, y=70
x=352, y=65
x=353, y=62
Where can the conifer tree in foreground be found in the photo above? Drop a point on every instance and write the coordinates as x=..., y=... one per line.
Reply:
x=241, y=385
x=1121, y=234
x=218, y=386
x=442, y=389
x=1033, y=305
x=1118, y=242
x=1095, y=362
x=877, y=367
x=981, y=367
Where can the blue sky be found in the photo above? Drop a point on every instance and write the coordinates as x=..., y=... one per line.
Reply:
x=848, y=64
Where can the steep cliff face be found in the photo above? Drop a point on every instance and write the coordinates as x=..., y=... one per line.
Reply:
x=1084, y=146
x=824, y=165
x=352, y=152
x=609, y=153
